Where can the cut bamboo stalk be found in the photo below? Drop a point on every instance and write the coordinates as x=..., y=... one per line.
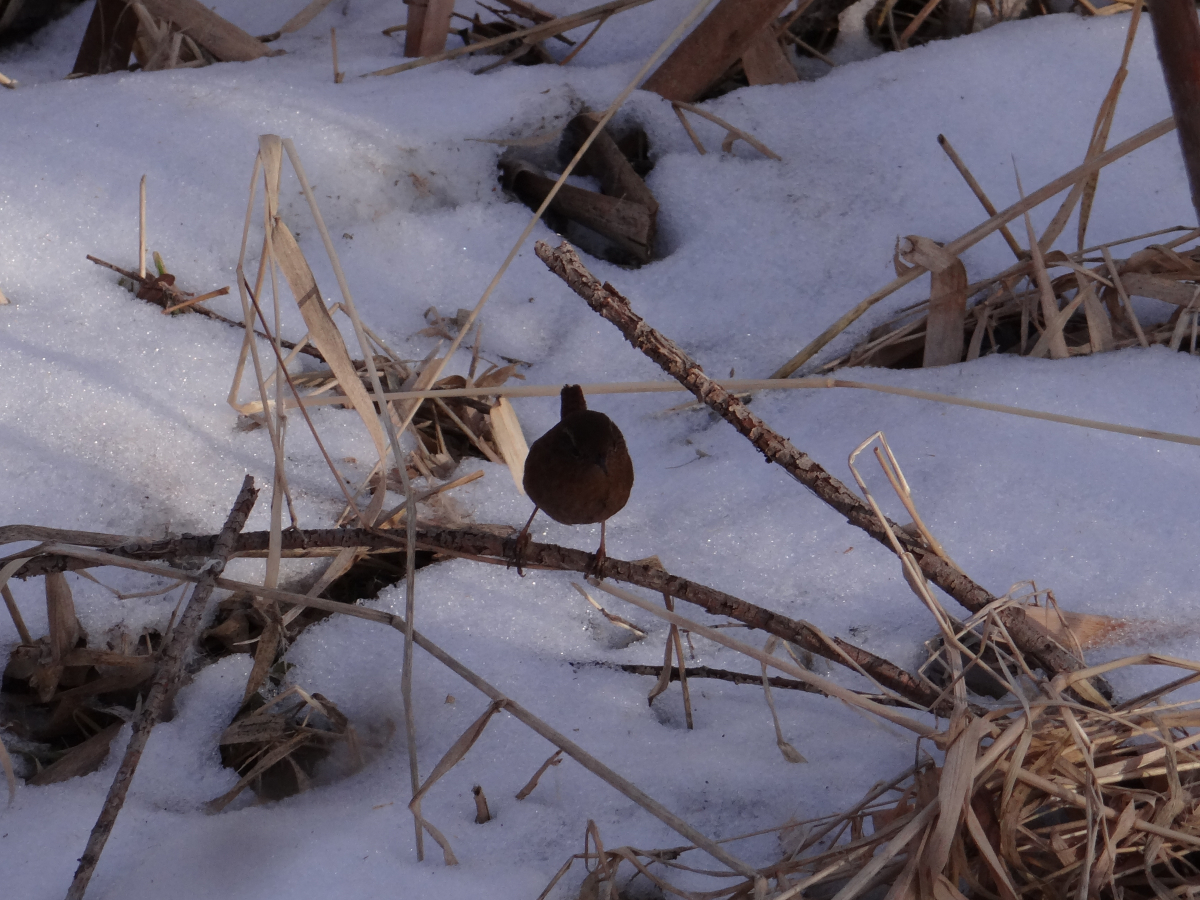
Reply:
x=217, y=35
x=947, y=316
x=764, y=61
x=713, y=46
x=108, y=41
x=975, y=235
x=428, y=26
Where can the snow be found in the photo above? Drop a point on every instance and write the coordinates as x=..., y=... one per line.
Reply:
x=114, y=418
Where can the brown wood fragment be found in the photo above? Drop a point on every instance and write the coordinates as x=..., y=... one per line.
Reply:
x=1177, y=36
x=428, y=26
x=947, y=316
x=1166, y=289
x=713, y=46
x=605, y=162
x=765, y=62
x=218, y=36
x=628, y=224
x=82, y=759
x=108, y=40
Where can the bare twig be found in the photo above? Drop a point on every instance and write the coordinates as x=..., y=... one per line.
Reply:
x=167, y=678
x=605, y=300
x=486, y=546
x=182, y=298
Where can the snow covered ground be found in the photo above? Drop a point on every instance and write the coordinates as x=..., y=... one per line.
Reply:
x=113, y=418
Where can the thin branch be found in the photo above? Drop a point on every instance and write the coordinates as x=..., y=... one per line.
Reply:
x=167, y=679
x=605, y=300
x=486, y=546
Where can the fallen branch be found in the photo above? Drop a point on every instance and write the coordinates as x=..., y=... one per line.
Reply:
x=176, y=300
x=605, y=300
x=488, y=547
x=167, y=679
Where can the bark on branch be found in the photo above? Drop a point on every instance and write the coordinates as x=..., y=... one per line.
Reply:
x=604, y=299
x=490, y=547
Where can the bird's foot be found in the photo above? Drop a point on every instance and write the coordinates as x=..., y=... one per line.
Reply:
x=518, y=558
x=596, y=569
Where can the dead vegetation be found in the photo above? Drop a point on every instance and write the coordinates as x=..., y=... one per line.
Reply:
x=1052, y=788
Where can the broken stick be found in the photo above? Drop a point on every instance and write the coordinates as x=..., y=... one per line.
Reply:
x=166, y=682
x=605, y=300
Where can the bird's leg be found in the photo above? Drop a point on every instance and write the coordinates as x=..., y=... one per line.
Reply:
x=601, y=556
x=523, y=540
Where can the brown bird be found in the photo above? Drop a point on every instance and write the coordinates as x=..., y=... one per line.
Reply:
x=579, y=471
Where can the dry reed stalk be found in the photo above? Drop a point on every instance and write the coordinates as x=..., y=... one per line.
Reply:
x=281, y=366
x=605, y=300
x=732, y=131
x=532, y=34
x=186, y=304
x=1056, y=343
x=746, y=385
x=978, y=233
x=510, y=440
x=14, y=611
x=1104, y=120
x=1129, y=312
x=7, y=82
x=142, y=228
x=591, y=34
x=687, y=126
x=298, y=21
x=385, y=519
x=980, y=195
x=554, y=759
x=394, y=441
x=167, y=678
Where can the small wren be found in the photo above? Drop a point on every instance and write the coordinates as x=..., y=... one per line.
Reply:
x=579, y=471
